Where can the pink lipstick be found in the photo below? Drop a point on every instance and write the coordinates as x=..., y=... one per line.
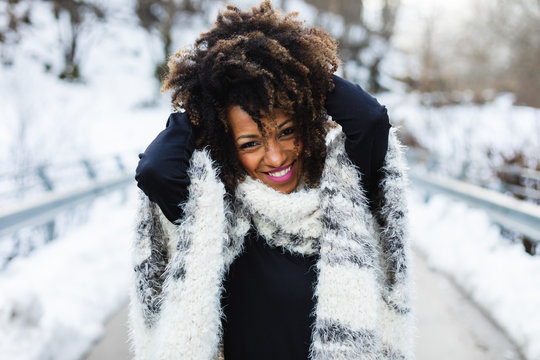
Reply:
x=282, y=174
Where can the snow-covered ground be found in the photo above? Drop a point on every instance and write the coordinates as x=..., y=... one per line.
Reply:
x=498, y=275
x=53, y=302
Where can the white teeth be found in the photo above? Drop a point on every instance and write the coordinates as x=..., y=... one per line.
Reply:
x=280, y=173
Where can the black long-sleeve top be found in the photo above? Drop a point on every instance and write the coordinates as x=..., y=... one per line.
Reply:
x=268, y=297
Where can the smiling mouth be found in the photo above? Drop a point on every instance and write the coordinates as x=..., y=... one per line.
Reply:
x=281, y=174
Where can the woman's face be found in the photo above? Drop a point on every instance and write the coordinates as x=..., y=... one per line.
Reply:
x=274, y=158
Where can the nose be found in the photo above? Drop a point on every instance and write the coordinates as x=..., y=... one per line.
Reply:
x=275, y=155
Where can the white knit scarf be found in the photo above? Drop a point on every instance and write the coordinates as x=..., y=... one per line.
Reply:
x=362, y=293
x=290, y=221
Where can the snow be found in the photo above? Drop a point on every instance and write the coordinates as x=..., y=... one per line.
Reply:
x=104, y=114
x=55, y=300
x=498, y=275
x=470, y=141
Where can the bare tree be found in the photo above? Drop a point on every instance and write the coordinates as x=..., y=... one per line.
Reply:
x=78, y=14
x=501, y=45
x=496, y=49
x=15, y=15
x=377, y=26
x=160, y=16
x=522, y=35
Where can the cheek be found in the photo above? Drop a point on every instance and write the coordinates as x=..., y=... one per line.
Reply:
x=248, y=161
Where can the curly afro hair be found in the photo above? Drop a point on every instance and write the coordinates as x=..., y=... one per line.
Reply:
x=262, y=61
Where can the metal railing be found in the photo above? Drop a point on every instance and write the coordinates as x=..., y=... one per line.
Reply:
x=35, y=212
x=522, y=182
x=38, y=203
x=24, y=183
x=518, y=215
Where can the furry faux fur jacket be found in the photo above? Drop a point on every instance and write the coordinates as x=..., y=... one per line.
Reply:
x=363, y=291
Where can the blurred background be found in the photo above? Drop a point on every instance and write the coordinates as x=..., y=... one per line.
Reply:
x=79, y=99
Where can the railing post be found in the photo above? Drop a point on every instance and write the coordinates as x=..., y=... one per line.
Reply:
x=120, y=163
x=47, y=183
x=51, y=233
x=122, y=168
x=89, y=169
x=49, y=187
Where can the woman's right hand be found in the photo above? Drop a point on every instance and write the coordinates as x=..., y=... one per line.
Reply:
x=162, y=169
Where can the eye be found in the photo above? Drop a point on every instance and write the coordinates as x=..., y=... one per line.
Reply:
x=287, y=132
x=248, y=145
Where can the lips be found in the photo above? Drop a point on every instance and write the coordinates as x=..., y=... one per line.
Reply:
x=282, y=174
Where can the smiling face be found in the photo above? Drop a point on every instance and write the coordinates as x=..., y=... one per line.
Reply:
x=273, y=158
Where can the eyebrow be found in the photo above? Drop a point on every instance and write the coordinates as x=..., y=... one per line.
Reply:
x=247, y=137
x=253, y=136
x=284, y=123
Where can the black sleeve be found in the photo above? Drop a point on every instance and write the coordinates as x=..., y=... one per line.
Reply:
x=162, y=169
x=366, y=126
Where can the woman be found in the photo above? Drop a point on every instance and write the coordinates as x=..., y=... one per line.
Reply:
x=267, y=231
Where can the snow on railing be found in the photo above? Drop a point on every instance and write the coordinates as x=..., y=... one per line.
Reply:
x=62, y=187
x=45, y=209
x=22, y=184
x=522, y=182
x=517, y=215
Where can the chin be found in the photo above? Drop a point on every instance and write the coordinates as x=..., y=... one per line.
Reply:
x=285, y=188
x=288, y=189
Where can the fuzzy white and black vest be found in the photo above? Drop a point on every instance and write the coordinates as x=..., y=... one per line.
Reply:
x=363, y=289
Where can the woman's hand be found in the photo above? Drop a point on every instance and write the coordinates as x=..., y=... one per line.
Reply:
x=162, y=169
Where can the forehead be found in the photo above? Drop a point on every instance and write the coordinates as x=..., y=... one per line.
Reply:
x=240, y=119
x=241, y=122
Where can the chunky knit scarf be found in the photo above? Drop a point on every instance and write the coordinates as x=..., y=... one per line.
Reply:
x=290, y=221
x=363, y=288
